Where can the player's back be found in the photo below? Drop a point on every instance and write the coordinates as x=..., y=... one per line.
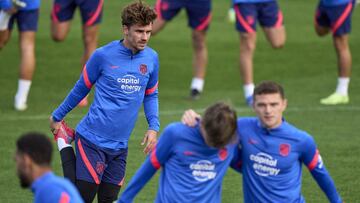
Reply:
x=194, y=171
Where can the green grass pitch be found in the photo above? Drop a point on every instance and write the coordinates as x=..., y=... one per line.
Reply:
x=306, y=67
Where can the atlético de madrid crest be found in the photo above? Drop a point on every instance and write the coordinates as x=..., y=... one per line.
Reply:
x=143, y=69
x=284, y=149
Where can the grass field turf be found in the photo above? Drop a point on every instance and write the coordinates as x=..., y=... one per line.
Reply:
x=306, y=67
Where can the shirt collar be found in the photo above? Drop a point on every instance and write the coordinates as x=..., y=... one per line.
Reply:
x=126, y=50
x=37, y=183
x=280, y=128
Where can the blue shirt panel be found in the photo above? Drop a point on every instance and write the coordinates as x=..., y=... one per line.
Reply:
x=30, y=4
x=334, y=2
x=49, y=189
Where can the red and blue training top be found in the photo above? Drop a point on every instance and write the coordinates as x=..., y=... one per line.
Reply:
x=272, y=161
x=191, y=170
x=124, y=81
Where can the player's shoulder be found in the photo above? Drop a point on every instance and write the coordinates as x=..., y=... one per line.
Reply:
x=109, y=46
x=175, y=127
x=177, y=130
x=246, y=121
x=301, y=135
x=151, y=52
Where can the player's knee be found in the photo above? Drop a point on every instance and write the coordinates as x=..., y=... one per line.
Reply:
x=278, y=45
x=321, y=31
x=3, y=42
x=89, y=39
x=57, y=37
x=199, y=41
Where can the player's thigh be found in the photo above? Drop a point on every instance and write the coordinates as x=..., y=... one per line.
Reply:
x=199, y=14
x=167, y=10
x=270, y=15
x=322, y=21
x=115, y=170
x=91, y=11
x=340, y=18
x=276, y=36
x=27, y=42
x=246, y=17
x=61, y=16
x=90, y=161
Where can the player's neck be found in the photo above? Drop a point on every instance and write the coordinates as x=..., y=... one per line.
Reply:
x=128, y=45
x=40, y=171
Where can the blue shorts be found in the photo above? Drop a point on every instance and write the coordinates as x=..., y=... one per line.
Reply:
x=338, y=18
x=267, y=13
x=27, y=20
x=198, y=11
x=96, y=165
x=91, y=10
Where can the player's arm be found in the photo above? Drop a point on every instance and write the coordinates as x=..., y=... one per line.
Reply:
x=88, y=77
x=151, y=108
x=312, y=159
x=236, y=162
x=158, y=157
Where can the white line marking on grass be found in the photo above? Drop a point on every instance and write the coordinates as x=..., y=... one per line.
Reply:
x=179, y=112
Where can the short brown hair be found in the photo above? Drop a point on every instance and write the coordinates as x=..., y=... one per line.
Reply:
x=220, y=123
x=269, y=87
x=138, y=13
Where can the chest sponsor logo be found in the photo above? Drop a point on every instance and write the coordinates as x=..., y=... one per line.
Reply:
x=129, y=84
x=203, y=170
x=264, y=164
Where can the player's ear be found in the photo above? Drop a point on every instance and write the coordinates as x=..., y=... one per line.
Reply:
x=284, y=104
x=125, y=29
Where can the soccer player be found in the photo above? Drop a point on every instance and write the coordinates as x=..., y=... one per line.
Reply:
x=199, y=17
x=335, y=16
x=272, y=151
x=27, y=22
x=194, y=160
x=91, y=13
x=248, y=12
x=33, y=160
x=126, y=76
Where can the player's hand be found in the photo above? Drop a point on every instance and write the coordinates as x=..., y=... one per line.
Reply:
x=54, y=126
x=150, y=139
x=190, y=118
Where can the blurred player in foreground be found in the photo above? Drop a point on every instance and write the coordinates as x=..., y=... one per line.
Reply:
x=26, y=14
x=272, y=151
x=33, y=160
x=335, y=16
x=194, y=160
x=126, y=76
x=199, y=17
